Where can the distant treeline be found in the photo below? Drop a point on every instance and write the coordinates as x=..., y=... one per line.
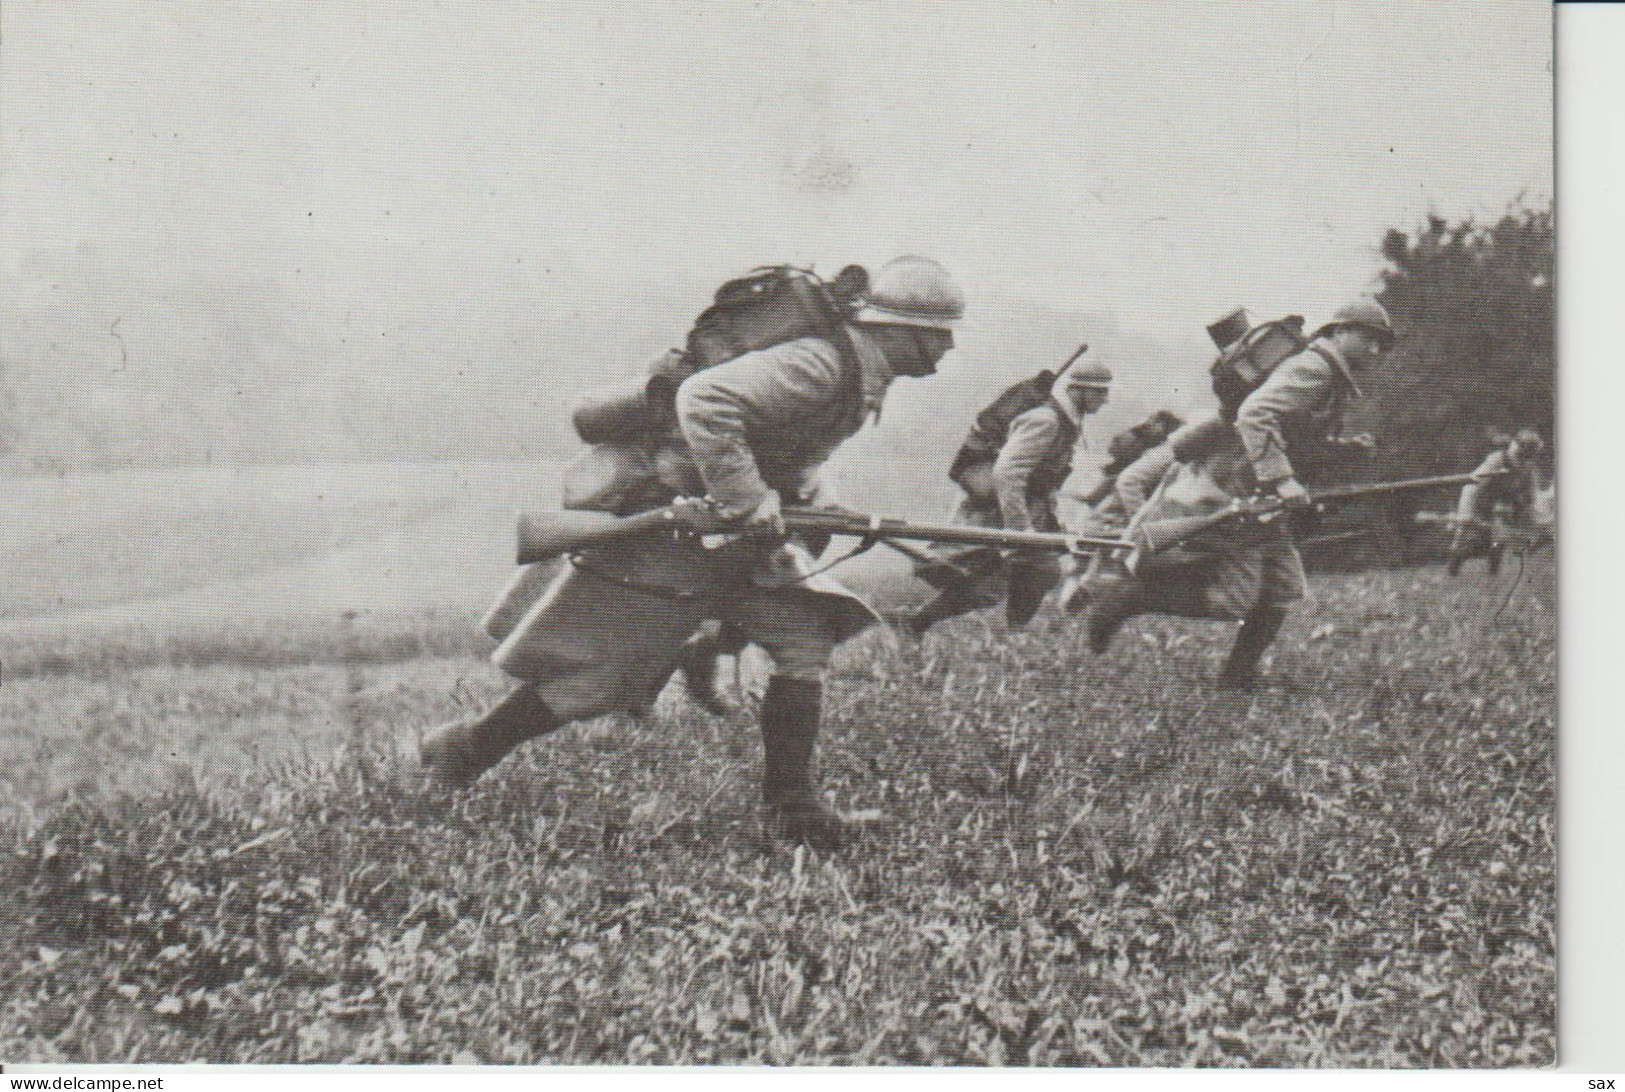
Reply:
x=1474, y=305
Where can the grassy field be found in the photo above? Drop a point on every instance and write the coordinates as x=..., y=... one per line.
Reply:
x=210, y=851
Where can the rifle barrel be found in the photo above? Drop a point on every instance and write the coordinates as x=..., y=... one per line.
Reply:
x=548, y=534
x=883, y=527
x=1346, y=491
x=1073, y=359
x=1184, y=529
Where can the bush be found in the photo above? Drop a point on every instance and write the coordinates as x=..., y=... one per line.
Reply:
x=1474, y=307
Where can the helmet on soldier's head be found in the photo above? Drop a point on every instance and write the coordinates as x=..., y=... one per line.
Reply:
x=1530, y=441
x=1083, y=388
x=913, y=291
x=1088, y=373
x=1367, y=314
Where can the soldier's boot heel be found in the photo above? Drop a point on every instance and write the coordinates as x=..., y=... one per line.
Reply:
x=455, y=755
x=791, y=709
x=697, y=667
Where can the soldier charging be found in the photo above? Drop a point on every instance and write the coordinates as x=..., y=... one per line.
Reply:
x=696, y=520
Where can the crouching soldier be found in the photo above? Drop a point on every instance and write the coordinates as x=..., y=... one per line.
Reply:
x=1139, y=457
x=609, y=630
x=1250, y=572
x=1506, y=490
x=1126, y=448
x=1010, y=472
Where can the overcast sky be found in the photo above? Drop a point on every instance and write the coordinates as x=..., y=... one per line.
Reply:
x=1163, y=160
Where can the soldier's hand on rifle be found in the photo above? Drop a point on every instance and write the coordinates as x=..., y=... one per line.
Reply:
x=697, y=515
x=1292, y=495
x=766, y=519
x=1363, y=442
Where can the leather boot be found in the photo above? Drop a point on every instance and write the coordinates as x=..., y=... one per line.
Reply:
x=790, y=715
x=1028, y=585
x=1112, y=603
x=1240, y=671
x=949, y=603
x=456, y=754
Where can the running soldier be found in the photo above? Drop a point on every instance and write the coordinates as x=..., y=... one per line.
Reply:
x=1010, y=471
x=1139, y=457
x=1506, y=491
x=1289, y=424
x=608, y=632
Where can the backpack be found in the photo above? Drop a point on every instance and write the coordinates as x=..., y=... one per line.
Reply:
x=766, y=307
x=992, y=425
x=1242, y=367
x=632, y=434
x=1131, y=443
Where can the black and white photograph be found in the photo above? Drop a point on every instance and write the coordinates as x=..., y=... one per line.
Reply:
x=862, y=533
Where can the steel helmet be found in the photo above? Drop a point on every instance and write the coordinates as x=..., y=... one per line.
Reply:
x=1530, y=441
x=913, y=291
x=1087, y=373
x=1364, y=312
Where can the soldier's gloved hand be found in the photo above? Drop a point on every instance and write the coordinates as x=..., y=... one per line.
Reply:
x=1364, y=443
x=766, y=518
x=1293, y=496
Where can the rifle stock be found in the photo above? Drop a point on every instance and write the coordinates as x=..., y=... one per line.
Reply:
x=1164, y=534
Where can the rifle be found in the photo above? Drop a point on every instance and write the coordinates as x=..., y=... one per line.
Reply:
x=1071, y=360
x=1162, y=535
x=543, y=535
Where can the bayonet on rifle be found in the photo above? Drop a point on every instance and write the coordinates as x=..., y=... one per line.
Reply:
x=1162, y=535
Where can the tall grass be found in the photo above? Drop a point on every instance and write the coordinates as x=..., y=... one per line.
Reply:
x=1090, y=861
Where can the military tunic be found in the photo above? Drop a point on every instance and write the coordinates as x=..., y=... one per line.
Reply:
x=1129, y=491
x=606, y=632
x=1505, y=482
x=1016, y=491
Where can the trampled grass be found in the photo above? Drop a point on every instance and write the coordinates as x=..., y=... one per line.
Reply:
x=210, y=853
